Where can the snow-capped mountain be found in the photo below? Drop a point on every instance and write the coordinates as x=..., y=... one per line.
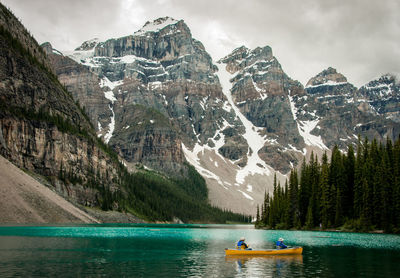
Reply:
x=335, y=113
x=159, y=99
x=383, y=95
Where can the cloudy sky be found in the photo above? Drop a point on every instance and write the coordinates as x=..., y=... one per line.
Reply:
x=360, y=38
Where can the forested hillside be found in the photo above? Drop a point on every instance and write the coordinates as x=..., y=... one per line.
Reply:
x=354, y=191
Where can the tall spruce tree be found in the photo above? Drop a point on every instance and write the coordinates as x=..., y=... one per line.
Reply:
x=348, y=191
x=304, y=191
x=325, y=196
x=358, y=181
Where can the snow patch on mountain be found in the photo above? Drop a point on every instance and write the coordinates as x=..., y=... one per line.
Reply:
x=305, y=128
x=247, y=196
x=156, y=25
x=192, y=156
x=82, y=57
x=105, y=82
x=111, y=127
x=255, y=165
x=327, y=83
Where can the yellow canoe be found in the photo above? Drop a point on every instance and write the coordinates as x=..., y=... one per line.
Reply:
x=286, y=251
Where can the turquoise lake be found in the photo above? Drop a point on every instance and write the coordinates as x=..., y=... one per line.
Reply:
x=189, y=251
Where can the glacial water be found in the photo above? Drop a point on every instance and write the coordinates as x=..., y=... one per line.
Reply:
x=189, y=251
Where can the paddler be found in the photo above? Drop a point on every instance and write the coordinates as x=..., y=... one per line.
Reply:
x=241, y=244
x=279, y=244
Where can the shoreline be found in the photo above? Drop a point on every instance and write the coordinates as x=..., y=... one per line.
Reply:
x=338, y=230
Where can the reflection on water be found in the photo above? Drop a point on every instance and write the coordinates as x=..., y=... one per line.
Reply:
x=190, y=251
x=284, y=258
x=255, y=265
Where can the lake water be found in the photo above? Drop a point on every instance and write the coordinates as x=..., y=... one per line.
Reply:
x=189, y=251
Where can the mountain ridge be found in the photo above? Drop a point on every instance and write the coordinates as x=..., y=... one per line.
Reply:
x=168, y=70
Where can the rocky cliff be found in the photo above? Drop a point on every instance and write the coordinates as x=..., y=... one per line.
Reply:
x=42, y=129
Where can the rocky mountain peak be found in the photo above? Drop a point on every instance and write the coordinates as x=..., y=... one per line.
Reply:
x=261, y=52
x=234, y=59
x=48, y=49
x=326, y=78
x=159, y=23
x=243, y=57
x=237, y=54
x=383, y=81
x=163, y=50
x=383, y=96
x=382, y=87
x=165, y=25
x=88, y=45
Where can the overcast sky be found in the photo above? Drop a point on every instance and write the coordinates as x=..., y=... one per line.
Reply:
x=360, y=38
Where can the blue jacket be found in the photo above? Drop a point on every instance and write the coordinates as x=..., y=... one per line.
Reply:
x=240, y=243
x=280, y=245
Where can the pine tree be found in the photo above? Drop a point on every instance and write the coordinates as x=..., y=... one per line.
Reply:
x=367, y=196
x=325, y=197
x=338, y=208
x=358, y=182
x=386, y=192
x=304, y=191
x=348, y=191
x=266, y=208
x=396, y=184
x=374, y=173
x=315, y=173
x=258, y=220
x=287, y=215
x=293, y=200
x=309, y=220
x=337, y=182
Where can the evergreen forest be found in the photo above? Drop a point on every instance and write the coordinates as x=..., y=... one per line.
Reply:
x=356, y=191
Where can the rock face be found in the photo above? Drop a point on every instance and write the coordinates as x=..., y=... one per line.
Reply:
x=260, y=89
x=148, y=136
x=83, y=84
x=333, y=112
x=158, y=99
x=161, y=67
x=41, y=127
x=327, y=77
x=383, y=96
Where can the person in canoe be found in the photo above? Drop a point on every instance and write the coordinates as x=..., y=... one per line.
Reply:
x=280, y=244
x=241, y=244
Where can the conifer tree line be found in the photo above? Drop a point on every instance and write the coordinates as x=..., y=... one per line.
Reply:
x=358, y=190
